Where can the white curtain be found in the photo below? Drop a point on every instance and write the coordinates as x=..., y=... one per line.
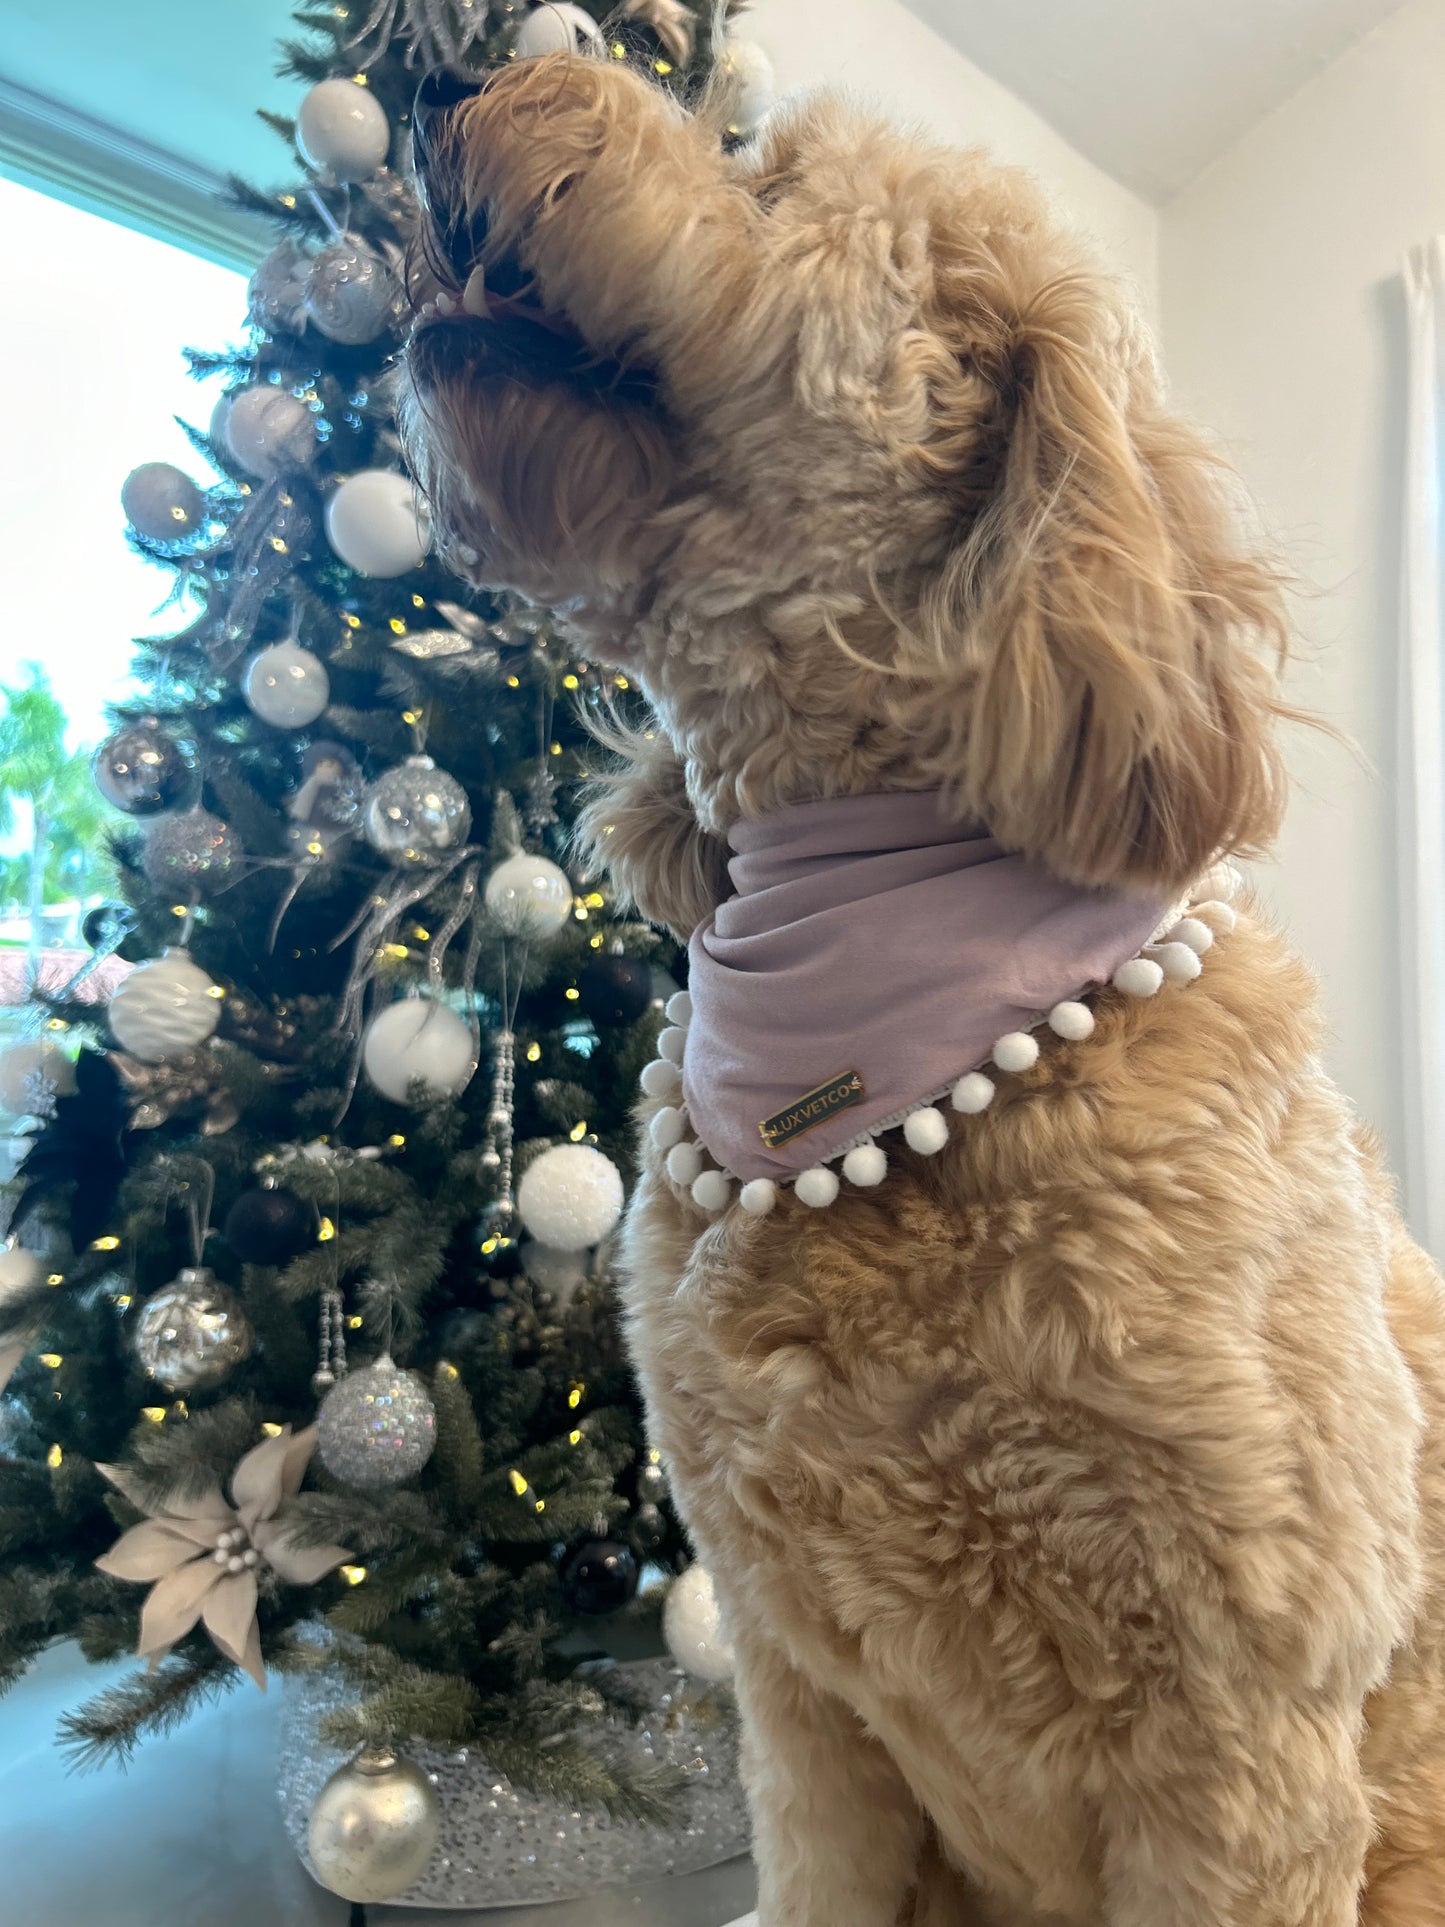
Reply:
x=1422, y=749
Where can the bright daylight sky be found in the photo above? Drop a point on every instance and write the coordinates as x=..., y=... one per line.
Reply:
x=91, y=332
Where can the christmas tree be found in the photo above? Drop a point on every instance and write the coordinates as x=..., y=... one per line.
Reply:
x=353, y=1133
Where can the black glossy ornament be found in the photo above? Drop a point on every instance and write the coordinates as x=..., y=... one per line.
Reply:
x=107, y=926
x=598, y=1576
x=143, y=770
x=270, y=1227
x=614, y=989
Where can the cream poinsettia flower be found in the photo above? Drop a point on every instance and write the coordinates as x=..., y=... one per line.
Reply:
x=206, y=1555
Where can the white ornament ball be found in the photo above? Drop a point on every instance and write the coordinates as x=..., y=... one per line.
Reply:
x=529, y=896
x=20, y=1271
x=376, y=1426
x=926, y=1131
x=711, y=1190
x=559, y=1272
x=749, y=69
x=684, y=1164
x=558, y=27
x=164, y=1008
x=660, y=1078
x=418, y=1039
x=758, y=1196
x=32, y=1076
x=374, y=1827
x=268, y=430
x=286, y=685
x=570, y=1197
x=668, y=1128
x=817, y=1187
x=342, y=129
x=973, y=1093
x=161, y=501
x=376, y=524
x=692, y=1627
x=1071, y=1021
x=866, y=1164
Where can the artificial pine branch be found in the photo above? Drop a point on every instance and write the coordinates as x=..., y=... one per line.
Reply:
x=459, y=1452
x=106, y=1729
x=184, y=1460
x=440, y=1707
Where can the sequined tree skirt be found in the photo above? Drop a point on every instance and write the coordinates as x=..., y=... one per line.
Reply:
x=503, y=1847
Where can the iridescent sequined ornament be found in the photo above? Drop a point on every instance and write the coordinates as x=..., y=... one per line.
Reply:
x=192, y=850
x=377, y=1426
x=191, y=1334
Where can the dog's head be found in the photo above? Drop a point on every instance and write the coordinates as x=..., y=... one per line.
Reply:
x=846, y=449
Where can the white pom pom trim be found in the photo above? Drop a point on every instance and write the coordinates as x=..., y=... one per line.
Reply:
x=1073, y=1022
x=817, y=1187
x=684, y=1161
x=671, y=1045
x=678, y=1009
x=669, y=1127
x=711, y=1191
x=1016, y=1051
x=1140, y=977
x=866, y=1164
x=1220, y=880
x=661, y=1079
x=1219, y=917
x=1180, y=964
x=926, y=1131
x=758, y=1196
x=973, y=1093
x=1194, y=932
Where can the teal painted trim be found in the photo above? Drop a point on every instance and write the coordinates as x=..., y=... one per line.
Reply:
x=58, y=150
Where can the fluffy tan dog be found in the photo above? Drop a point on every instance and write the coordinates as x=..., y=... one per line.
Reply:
x=1074, y=1496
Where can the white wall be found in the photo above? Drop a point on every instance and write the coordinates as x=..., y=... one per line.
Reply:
x=886, y=56
x=1283, y=324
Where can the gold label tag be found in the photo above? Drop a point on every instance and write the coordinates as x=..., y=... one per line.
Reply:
x=840, y=1093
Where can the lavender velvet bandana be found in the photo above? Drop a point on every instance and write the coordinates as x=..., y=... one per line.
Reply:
x=873, y=953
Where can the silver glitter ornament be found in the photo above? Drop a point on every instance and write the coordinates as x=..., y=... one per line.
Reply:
x=162, y=502
x=143, y=770
x=505, y=1846
x=415, y=812
x=377, y=1426
x=352, y=296
x=191, y=1334
x=194, y=849
x=374, y=1826
x=276, y=292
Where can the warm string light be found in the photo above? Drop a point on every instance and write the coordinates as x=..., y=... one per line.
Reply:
x=534, y=1053
x=353, y=1575
x=271, y=1429
x=53, y=1457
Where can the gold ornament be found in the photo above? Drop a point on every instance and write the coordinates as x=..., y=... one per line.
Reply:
x=374, y=1826
x=205, y=1555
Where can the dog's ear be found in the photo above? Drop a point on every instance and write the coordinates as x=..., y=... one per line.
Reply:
x=1115, y=634
x=638, y=825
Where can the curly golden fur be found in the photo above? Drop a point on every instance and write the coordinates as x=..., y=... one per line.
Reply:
x=1075, y=1497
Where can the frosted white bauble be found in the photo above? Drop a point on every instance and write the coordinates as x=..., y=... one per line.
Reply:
x=529, y=896
x=286, y=685
x=161, y=501
x=419, y=1038
x=558, y=27
x=351, y=295
x=164, y=1008
x=268, y=430
x=751, y=72
x=376, y=525
x=570, y=1197
x=32, y=1076
x=342, y=129
x=559, y=1272
x=692, y=1627
x=20, y=1271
